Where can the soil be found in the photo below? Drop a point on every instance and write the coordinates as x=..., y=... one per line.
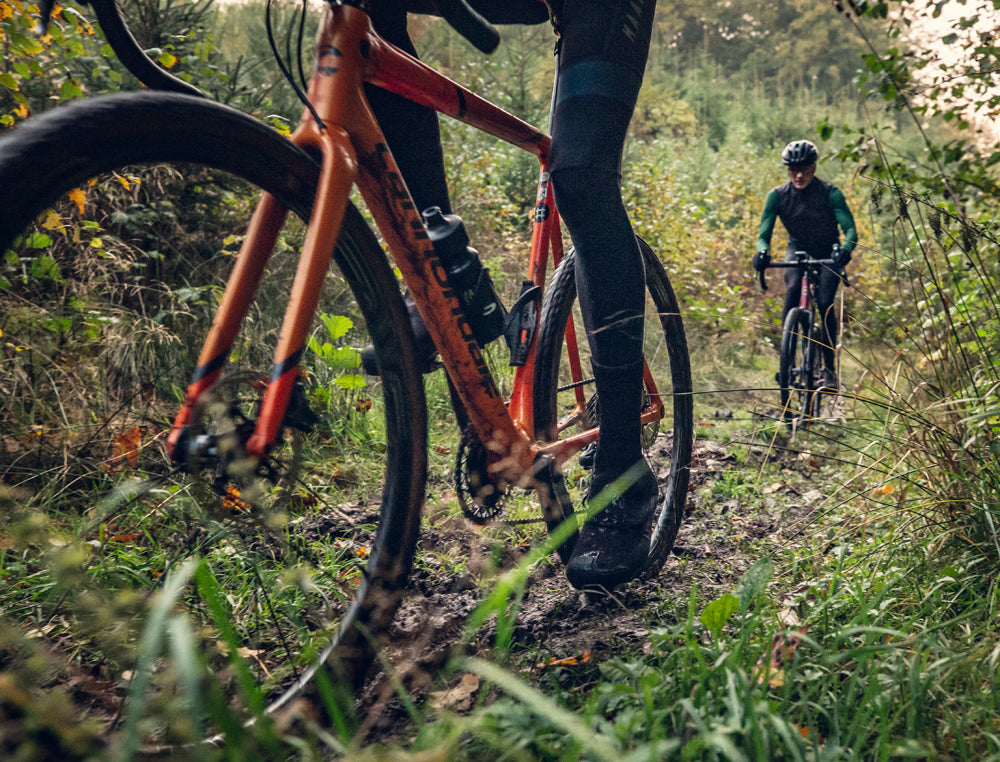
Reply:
x=724, y=532
x=721, y=537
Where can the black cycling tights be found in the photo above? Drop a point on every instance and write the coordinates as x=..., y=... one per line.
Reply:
x=601, y=62
x=411, y=130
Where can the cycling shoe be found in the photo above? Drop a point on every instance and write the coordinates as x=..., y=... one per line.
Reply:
x=613, y=545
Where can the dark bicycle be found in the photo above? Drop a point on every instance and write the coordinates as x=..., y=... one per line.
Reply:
x=803, y=338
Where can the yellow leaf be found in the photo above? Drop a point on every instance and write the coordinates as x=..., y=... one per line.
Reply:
x=124, y=181
x=21, y=110
x=52, y=221
x=96, y=243
x=79, y=197
x=167, y=60
x=6, y=12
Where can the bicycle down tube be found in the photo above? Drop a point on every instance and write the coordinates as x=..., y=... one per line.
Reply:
x=354, y=151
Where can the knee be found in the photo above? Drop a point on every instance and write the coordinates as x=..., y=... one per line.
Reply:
x=585, y=191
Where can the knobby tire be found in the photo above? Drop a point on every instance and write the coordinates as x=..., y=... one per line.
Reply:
x=52, y=154
x=796, y=371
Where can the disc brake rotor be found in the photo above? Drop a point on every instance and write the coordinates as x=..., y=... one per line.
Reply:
x=222, y=423
x=479, y=497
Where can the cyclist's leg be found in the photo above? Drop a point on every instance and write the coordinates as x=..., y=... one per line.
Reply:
x=604, y=48
x=825, y=295
x=411, y=130
x=414, y=137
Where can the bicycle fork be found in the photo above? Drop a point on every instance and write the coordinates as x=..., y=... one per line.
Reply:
x=338, y=173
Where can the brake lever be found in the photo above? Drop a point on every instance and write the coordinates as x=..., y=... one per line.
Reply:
x=763, y=284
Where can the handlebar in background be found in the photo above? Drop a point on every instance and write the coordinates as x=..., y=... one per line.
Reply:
x=469, y=23
x=784, y=265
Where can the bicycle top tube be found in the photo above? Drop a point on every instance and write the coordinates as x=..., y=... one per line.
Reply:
x=392, y=69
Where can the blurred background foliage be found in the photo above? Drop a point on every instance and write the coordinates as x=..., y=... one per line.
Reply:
x=901, y=97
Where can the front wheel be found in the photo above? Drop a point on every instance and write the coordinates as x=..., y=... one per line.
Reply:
x=125, y=213
x=565, y=401
x=797, y=367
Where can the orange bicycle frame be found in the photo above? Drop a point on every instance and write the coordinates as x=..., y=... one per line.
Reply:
x=354, y=152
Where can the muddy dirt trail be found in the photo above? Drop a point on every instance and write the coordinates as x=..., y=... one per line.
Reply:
x=719, y=540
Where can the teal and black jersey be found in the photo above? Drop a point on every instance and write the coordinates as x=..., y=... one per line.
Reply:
x=811, y=216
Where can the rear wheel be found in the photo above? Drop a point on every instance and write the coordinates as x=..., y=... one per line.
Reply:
x=566, y=402
x=123, y=235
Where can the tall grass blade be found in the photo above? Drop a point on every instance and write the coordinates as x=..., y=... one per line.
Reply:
x=149, y=650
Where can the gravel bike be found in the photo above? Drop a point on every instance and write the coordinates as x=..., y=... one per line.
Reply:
x=800, y=369
x=287, y=578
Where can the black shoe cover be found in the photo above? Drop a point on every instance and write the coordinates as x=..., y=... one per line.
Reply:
x=613, y=545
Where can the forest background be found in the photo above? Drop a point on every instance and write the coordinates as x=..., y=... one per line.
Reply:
x=896, y=582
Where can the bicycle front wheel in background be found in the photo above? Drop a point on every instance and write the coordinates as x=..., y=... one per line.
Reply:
x=795, y=368
x=667, y=443
x=143, y=200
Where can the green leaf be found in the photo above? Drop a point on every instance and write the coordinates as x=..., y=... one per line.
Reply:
x=336, y=325
x=150, y=649
x=754, y=582
x=38, y=241
x=8, y=81
x=215, y=601
x=185, y=656
x=718, y=612
x=341, y=358
x=45, y=268
x=351, y=382
x=70, y=90
x=167, y=60
x=26, y=44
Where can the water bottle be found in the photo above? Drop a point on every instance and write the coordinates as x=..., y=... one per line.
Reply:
x=466, y=274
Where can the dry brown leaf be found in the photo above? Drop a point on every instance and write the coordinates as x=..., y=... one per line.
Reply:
x=783, y=647
x=459, y=697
